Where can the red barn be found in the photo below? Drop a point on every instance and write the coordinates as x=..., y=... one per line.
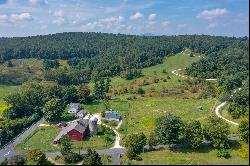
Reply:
x=77, y=130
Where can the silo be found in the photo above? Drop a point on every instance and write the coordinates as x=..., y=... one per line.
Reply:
x=93, y=125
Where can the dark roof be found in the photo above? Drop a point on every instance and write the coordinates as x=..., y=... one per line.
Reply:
x=81, y=112
x=74, y=105
x=112, y=115
x=79, y=126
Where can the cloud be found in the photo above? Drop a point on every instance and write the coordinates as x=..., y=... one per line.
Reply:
x=136, y=16
x=108, y=24
x=20, y=17
x=152, y=17
x=118, y=19
x=91, y=26
x=213, y=13
x=165, y=23
x=3, y=18
x=59, y=13
x=59, y=21
x=33, y=2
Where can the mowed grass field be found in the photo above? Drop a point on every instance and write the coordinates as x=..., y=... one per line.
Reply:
x=204, y=156
x=42, y=139
x=143, y=113
x=4, y=91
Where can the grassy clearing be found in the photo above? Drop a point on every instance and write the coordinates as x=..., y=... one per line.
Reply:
x=42, y=139
x=180, y=60
x=204, y=156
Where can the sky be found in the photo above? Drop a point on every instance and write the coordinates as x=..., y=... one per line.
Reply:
x=158, y=17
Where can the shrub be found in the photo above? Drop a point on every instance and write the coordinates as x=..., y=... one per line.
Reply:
x=140, y=91
x=72, y=158
x=57, y=157
x=243, y=152
x=223, y=153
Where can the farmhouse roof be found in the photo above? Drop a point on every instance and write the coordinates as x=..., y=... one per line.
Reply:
x=74, y=105
x=112, y=115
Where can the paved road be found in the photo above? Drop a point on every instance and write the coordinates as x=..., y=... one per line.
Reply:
x=8, y=150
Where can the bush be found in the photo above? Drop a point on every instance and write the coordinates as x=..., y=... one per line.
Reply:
x=57, y=157
x=140, y=91
x=138, y=158
x=153, y=139
x=113, y=123
x=243, y=151
x=72, y=158
x=16, y=160
x=223, y=153
x=101, y=130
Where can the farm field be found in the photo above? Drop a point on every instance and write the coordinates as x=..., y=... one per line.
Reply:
x=204, y=156
x=43, y=137
x=144, y=112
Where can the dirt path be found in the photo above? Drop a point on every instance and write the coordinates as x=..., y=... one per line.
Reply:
x=217, y=112
x=218, y=108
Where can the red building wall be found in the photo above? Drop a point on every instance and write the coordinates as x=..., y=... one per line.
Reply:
x=75, y=135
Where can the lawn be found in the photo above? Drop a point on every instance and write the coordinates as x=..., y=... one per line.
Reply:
x=204, y=156
x=42, y=138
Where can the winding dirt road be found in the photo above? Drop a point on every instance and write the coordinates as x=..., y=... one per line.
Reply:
x=219, y=107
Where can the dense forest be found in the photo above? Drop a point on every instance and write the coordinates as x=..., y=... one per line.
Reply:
x=98, y=56
x=95, y=55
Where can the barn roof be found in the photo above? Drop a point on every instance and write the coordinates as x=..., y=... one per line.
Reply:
x=79, y=126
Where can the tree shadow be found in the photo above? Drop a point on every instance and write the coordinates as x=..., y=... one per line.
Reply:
x=235, y=145
x=185, y=149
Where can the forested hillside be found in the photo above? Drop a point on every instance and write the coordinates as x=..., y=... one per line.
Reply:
x=94, y=55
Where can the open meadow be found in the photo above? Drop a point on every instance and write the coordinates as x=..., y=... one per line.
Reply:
x=203, y=156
